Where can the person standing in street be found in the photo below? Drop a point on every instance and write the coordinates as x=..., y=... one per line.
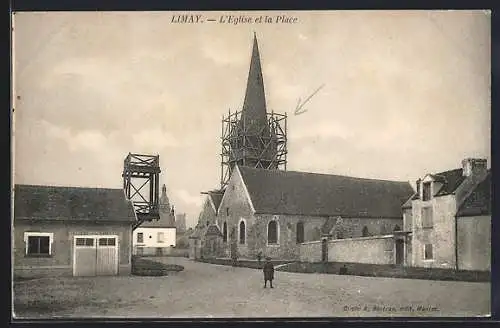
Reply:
x=268, y=272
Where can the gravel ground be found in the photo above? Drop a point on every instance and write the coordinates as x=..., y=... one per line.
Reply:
x=208, y=290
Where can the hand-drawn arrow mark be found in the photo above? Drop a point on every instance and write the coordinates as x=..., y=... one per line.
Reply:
x=298, y=109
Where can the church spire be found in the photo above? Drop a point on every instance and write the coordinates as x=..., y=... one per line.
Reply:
x=254, y=106
x=164, y=201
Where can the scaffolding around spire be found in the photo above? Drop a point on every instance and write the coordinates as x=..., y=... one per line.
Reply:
x=244, y=146
x=253, y=137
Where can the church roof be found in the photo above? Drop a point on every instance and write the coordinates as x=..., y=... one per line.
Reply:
x=313, y=194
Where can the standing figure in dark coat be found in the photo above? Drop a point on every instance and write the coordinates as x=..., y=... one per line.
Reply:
x=268, y=272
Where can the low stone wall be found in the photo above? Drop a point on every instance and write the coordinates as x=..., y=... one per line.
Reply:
x=387, y=270
x=310, y=251
x=370, y=250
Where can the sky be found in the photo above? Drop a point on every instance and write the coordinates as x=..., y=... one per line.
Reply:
x=405, y=93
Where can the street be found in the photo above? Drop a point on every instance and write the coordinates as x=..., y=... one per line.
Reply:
x=213, y=291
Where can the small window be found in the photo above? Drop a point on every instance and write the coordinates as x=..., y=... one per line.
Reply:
x=427, y=217
x=242, y=232
x=397, y=228
x=224, y=232
x=300, y=232
x=38, y=245
x=81, y=241
x=365, y=232
x=140, y=237
x=208, y=223
x=339, y=235
x=426, y=191
x=428, y=254
x=107, y=242
x=161, y=237
x=227, y=211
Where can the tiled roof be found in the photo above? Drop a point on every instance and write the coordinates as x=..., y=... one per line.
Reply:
x=479, y=200
x=165, y=221
x=407, y=204
x=312, y=194
x=71, y=203
x=451, y=179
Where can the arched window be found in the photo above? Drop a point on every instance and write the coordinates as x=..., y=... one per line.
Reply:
x=300, y=232
x=224, y=232
x=272, y=232
x=397, y=228
x=365, y=232
x=242, y=232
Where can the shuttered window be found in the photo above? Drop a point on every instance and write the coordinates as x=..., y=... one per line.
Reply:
x=427, y=217
x=426, y=191
x=161, y=237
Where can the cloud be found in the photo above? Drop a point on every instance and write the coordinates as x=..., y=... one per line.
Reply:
x=187, y=198
x=154, y=140
x=89, y=140
x=322, y=130
x=226, y=50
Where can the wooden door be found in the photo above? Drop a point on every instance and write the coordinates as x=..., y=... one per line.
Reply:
x=95, y=255
x=400, y=248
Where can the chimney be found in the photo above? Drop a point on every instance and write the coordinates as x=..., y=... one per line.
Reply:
x=474, y=166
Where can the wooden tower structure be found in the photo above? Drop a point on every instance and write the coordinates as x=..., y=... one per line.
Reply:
x=141, y=185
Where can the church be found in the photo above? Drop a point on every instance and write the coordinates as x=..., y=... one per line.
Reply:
x=263, y=208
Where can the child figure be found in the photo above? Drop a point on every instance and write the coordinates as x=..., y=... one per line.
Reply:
x=268, y=272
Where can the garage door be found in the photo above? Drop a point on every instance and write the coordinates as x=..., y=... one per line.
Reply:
x=95, y=255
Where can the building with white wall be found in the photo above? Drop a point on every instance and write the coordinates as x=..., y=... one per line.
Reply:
x=157, y=237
